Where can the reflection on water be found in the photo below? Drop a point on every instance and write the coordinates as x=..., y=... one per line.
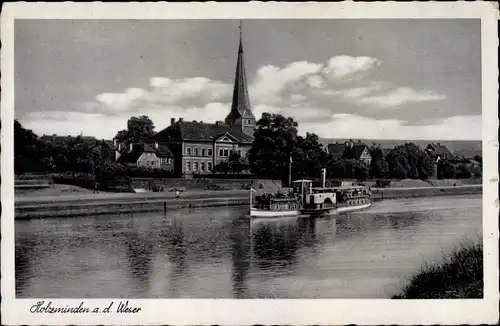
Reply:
x=240, y=255
x=275, y=244
x=139, y=253
x=218, y=253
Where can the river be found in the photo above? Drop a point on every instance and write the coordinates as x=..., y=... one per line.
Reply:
x=218, y=253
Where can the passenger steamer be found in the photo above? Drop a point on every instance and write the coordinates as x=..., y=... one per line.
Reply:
x=305, y=200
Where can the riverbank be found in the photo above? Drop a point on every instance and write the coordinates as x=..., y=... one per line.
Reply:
x=459, y=276
x=82, y=204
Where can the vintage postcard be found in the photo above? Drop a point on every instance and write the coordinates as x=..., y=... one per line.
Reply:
x=249, y=163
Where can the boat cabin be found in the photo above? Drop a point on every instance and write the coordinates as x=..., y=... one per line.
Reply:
x=314, y=196
x=268, y=202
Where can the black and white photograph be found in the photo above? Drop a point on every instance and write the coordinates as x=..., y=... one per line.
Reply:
x=245, y=157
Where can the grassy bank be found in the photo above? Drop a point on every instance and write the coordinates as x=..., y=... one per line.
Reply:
x=458, y=276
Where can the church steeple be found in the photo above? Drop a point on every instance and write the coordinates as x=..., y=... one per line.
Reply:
x=241, y=113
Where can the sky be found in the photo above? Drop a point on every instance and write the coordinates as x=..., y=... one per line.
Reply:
x=360, y=78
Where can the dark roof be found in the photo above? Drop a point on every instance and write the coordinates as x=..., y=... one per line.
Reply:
x=200, y=131
x=336, y=150
x=356, y=150
x=137, y=150
x=436, y=149
x=108, y=143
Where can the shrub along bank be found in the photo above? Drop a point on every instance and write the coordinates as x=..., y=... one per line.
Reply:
x=460, y=275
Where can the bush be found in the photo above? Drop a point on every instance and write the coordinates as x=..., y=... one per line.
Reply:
x=459, y=276
x=462, y=171
x=79, y=179
x=230, y=176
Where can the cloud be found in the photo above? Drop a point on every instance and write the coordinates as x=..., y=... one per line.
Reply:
x=315, y=81
x=174, y=91
x=401, y=96
x=271, y=81
x=184, y=92
x=61, y=116
x=117, y=102
x=106, y=126
x=326, y=98
x=315, y=85
x=358, y=92
x=332, y=125
x=354, y=126
x=345, y=67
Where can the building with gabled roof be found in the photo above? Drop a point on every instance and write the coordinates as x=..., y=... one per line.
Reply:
x=350, y=150
x=438, y=151
x=336, y=150
x=199, y=146
x=357, y=151
x=153, y=156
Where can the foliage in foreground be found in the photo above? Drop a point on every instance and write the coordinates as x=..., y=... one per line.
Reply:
x=459, y=276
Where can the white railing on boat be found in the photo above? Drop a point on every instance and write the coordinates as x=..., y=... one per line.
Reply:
x=276, y=207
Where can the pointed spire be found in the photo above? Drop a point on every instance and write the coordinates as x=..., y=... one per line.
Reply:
x=240, y=107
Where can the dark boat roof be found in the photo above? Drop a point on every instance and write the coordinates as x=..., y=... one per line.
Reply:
x=283, y=199
x=340, y=188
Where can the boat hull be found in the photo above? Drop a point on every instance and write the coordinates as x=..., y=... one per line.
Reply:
x=334, y=210
x=353, y=208
x=258, y=213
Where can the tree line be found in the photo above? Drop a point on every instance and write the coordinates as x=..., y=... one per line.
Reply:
x=276, y=144
x=39, y=154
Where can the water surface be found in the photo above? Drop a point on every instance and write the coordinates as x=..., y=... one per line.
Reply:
x=218, y=253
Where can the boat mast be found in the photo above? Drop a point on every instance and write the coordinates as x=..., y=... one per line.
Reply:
x=290, y=172
x=251, y=191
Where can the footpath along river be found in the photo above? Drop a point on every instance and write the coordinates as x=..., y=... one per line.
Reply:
x=218, y=253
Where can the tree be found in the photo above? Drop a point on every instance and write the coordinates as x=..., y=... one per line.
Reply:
x=274, y=141
x=236, y=163
x=410, y=161
x=122, y=135
x=347, y=168
x=478, y=158
x=361, y=172
x=27, y=155
x=336, y=169
x=378, y=166
x=308, y=156
x=462, y=171
x=399, y=172
x=223, y=167
x=445, y=170
x=425, y=166
x=138, y=130
x=476, y=170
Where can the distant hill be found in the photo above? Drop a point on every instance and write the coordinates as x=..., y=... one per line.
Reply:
x=467, y=148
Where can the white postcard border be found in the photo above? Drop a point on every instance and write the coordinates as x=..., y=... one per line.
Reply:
x=239, y=312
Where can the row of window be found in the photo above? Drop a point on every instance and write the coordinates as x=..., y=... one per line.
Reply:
x=227, y=152
x=201, y=152
x=193, y=166
x=161, y=161
x=167, y=160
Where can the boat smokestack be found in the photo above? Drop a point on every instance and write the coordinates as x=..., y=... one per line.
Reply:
x=323, y=177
